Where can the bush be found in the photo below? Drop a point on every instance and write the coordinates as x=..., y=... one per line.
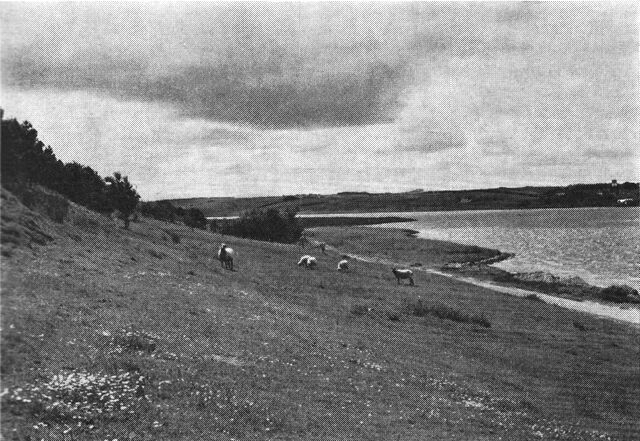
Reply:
x=161, y=210
x=195, y=218
x=619, y=294
x=270, y=225
x=534, y=298
x=421, y=309
x=122, y=196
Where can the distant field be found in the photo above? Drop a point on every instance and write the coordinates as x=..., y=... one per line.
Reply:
x=591, y=195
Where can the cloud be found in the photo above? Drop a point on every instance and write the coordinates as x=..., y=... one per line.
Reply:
x=244, y=72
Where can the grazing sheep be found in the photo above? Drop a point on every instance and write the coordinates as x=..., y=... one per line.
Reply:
x=226, y=255
x=309, y=262
x=403, y=274
x=343, y=265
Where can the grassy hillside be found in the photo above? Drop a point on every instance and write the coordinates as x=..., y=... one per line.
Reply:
x=140, y=334
x=587, y=195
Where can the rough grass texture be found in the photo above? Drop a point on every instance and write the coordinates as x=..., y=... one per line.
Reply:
x=422, y=309
x=102, y=340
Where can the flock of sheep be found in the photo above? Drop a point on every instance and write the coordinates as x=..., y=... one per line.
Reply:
x=226, y=255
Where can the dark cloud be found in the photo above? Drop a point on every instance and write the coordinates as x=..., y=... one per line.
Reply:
x=227, y=92
x=243, y=72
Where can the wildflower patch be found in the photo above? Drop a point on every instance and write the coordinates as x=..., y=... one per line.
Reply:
x=80, y=398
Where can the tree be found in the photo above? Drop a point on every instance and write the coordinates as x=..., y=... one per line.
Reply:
x=194, y=218
x=122, y=196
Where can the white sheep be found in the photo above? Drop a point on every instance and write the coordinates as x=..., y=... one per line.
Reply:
x=309, y=262
x=343, y=265
x=403, y=274
x=226, y=255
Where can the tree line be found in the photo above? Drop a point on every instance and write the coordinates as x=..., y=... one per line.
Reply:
x=25, y=161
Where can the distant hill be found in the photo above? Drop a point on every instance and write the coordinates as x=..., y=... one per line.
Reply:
x=579, y=195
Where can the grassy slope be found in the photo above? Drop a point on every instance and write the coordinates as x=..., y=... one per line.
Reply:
x=276, y=351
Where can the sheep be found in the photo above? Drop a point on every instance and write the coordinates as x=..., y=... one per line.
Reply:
x=309, y=262
x=403, y=274
x=303, y=241
x=343, y=265
x=323, y=247
x=226, y=255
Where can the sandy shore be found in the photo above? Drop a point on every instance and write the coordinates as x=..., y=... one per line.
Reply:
x=627, y=314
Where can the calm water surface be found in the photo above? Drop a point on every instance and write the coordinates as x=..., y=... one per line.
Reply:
x=601, y=245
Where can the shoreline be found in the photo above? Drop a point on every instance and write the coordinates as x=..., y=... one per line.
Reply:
x=571, y=288
x=629, y=315
x=567, y=292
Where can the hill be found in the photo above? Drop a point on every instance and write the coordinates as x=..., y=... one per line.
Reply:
x=580, y=195
x=140, y=334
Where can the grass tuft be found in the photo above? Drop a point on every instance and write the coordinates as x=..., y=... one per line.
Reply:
x=534, y=298
x=421, y=309
x=135, y=340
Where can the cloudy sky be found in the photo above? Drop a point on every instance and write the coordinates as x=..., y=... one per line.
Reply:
x=236, y=99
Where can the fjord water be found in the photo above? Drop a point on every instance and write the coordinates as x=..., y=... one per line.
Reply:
x=601, y=245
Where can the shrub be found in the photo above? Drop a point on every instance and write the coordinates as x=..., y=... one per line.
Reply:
x=534, y=298
x=270, y=225
x=619, y=294
x=122, y=196
x=195, y=218
x=161, y=210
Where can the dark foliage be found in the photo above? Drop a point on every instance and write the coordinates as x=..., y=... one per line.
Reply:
x=24, y=158
x=166, y=211
x=25, y=161
x=534, y=298
x=270, y=225
x=619, y=294
x=195, y=219
x=162, y=210
x=122, y=196
x=83, y=186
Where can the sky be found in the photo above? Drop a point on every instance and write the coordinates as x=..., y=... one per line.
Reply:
x=246, y=99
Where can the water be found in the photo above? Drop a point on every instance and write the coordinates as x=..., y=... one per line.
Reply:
x=601, y=245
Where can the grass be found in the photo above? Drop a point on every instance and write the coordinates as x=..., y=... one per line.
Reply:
x=422, y=309
x=273, y=351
